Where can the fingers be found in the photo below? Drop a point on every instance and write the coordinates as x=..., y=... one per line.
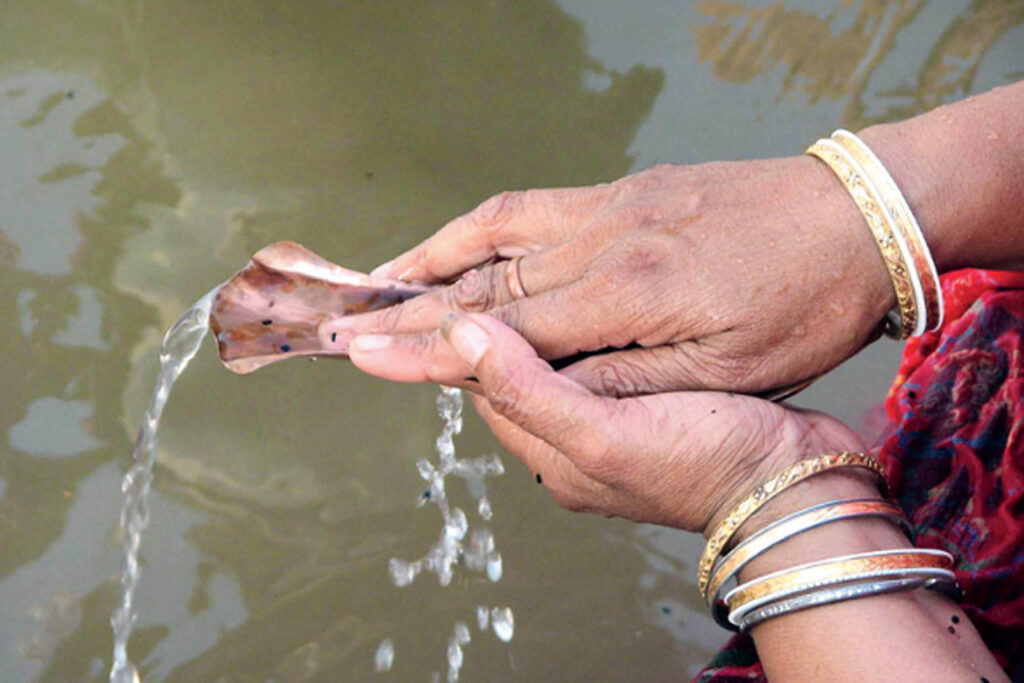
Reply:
x=509, y=224
x=542, y=320
x=409, y=358
x=524, y=389
x=637, y=372
x=684, y=366
x=567, y=485
x=476, y=291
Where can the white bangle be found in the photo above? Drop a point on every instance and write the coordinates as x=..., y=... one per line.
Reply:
x=921, y=264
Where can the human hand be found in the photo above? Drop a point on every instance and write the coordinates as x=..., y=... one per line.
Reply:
x=734, y=276
x=676, y=459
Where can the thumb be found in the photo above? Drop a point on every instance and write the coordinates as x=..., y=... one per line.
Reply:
x=524, y=389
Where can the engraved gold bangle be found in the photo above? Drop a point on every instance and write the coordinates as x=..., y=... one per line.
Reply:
x=750, y=504
x=925, y=277
x=850, y=568
x=902, y=320
x=794, y=524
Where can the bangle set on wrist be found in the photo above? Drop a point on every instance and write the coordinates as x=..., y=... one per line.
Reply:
x=823, y=582
x=743, y=510
x=918, y=309
x=899, y=238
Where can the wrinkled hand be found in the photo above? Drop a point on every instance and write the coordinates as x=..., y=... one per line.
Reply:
x=676, y=459
x=744, y=276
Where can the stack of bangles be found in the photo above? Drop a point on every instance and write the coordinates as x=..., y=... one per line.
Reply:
x=918, y=309
x=899, y=238
x=824, y=582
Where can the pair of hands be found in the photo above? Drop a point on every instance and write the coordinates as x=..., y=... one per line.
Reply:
x=744, y=276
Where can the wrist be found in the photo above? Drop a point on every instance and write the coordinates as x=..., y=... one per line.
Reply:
x=799, y=437
x=961, y=169
x=843, y=537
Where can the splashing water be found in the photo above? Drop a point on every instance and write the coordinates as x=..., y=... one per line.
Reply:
x=384, y=659
x=478, y=553
x=180, y=345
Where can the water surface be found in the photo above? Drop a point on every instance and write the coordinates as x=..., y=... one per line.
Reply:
x=147, y=149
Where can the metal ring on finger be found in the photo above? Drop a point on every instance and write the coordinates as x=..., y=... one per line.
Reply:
x=514, y=279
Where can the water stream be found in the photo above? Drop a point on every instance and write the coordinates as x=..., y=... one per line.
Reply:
x=180, y=345
x=477, y=553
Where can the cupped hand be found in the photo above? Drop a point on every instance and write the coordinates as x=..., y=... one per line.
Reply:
x=744, y=276
x=677, y=459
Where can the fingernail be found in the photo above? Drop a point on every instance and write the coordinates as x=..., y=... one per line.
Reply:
x=468, y=339
x=369, y=343
x=382, y=270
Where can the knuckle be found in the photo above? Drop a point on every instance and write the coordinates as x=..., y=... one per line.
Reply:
x=473, y=292
x=511, y=315
x=422, y=346
x=506, y=393
x=630, y=269
x=642, y=256
x=619, y=379
x=391, y=319
x=496, y=211
x=653, y=178
x=631, y=215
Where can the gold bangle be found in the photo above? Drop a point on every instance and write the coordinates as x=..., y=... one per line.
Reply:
x=903, y=320
x=925, y=277
x=811, y=576
x=743, y=510
x=797, y=523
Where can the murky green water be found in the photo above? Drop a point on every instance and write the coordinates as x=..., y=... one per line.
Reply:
x=147, y=148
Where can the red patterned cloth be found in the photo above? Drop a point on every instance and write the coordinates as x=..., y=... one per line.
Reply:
x=954, y=457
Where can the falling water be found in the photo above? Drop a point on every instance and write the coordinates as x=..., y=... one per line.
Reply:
x=478, y=553
x=179, y=346
x=451, y=547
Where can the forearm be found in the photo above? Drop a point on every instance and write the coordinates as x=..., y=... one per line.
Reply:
x=903, y=636
x=961, y=167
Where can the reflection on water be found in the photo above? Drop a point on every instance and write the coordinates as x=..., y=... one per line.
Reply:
x=146, y=149
x=837, y=55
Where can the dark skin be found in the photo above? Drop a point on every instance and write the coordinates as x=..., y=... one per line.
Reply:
x=732, y=277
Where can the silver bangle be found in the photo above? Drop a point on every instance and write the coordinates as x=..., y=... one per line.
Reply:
x=790, y=526
x=828, y=596
x=738, y=615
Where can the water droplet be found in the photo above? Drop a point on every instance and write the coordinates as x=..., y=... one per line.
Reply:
x=494, y=566
x=461, y=633
x=385, y=656
x=454, y=656
x=425, y=469
x=458, y=525
x=402, y=572
x=503, y=623
x=482, y=617
x=484, y=508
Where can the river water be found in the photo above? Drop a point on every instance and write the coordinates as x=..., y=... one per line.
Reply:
x=148, y=148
